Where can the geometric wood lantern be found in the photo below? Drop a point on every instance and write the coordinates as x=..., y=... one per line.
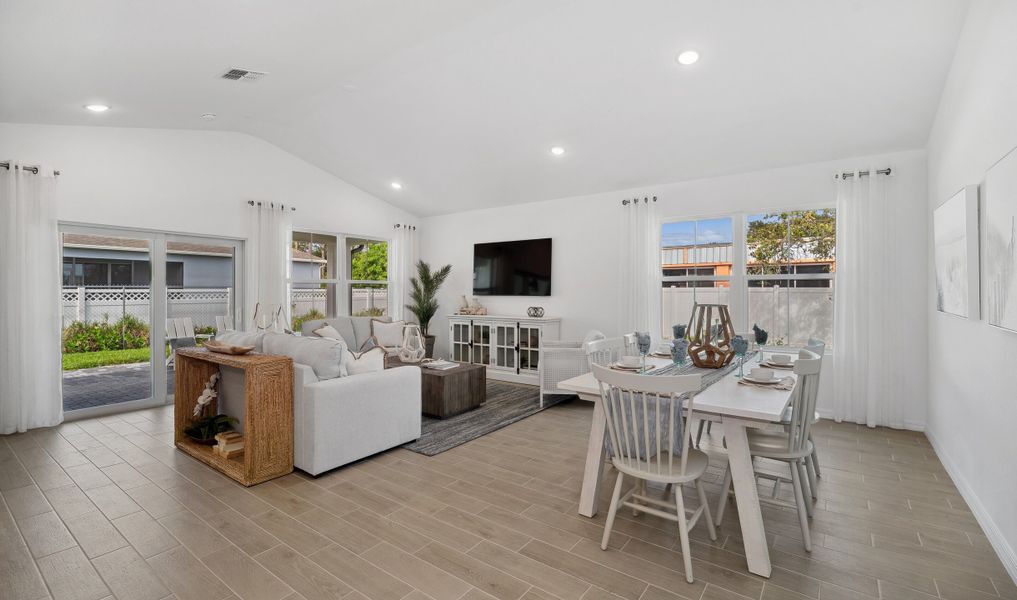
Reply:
x=710, y=344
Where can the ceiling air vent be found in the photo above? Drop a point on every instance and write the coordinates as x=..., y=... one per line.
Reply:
x=243, y=75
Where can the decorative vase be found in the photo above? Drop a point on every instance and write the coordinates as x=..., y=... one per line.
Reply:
x=428, y=346
x=678, y=331
x=535, y=312
x=679, y=351
x=412, y=350
x=709, y=342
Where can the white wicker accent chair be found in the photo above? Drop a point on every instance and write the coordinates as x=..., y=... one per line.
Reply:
x=563, y=360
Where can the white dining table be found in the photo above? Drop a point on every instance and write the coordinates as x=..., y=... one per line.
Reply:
x=737, y=408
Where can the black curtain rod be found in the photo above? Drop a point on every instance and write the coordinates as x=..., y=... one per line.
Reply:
x=34, y=169
x=849, y=175
x=636, y=200
x=272, y=204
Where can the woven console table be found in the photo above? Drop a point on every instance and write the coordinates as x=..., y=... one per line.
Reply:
x=267, y=419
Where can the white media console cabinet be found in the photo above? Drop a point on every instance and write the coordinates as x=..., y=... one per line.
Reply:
x=508, y=346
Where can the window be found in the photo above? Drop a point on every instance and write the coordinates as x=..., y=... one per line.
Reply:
x=323, y=265
x=368, y=281
x=695, y=262
x=774, y=269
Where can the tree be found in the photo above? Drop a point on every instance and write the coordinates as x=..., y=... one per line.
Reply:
x=371, y=263
x=777, y=239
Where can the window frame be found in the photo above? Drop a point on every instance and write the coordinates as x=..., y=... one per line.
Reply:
x=341, y=284
x=740, y=277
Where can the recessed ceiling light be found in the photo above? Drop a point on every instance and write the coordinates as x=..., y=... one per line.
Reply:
x=98, y=108
x=557, y=150
x=396, y=185
x=688, y=57
x=208, y=116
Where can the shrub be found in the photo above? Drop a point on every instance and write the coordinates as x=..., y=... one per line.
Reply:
x=371, y=312
x=127, y=333
x=310, y=315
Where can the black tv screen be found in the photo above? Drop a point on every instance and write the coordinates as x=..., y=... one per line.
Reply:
x=519, y=268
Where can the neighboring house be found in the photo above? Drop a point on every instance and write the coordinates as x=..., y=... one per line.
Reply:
x=91, y=260
x=714, y=259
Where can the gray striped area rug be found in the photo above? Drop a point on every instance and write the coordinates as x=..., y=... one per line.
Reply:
x=506, y=403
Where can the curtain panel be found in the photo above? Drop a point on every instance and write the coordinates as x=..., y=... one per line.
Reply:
x=405, y=250
x=30, y=372
x=268, y=267
x=639, y=289
x=874, y=351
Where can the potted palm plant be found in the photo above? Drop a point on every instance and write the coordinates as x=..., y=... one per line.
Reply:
x=423, y=293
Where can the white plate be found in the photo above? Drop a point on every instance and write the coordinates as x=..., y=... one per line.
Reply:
x=773, y=381
x=774, y=365
x=621, y=367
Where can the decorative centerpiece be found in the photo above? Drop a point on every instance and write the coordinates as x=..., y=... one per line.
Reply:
x=424, y=295
x=710, y=339
x=207, y=424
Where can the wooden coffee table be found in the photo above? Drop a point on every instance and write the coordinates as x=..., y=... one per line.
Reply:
x=449, y=392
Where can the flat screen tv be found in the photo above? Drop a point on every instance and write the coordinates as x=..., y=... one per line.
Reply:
x=519, y=268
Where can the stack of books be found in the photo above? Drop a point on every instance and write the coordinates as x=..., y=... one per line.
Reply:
x=230, y=444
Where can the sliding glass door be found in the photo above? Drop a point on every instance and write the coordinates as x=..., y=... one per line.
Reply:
x=124, y=293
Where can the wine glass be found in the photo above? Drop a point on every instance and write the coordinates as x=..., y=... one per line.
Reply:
x=740, y=346
x=643, y=345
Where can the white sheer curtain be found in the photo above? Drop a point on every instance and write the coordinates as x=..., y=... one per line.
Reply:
x=640, y=267
x=873, y=352
x=405, y=250
x=268, y=265
x=30, y=394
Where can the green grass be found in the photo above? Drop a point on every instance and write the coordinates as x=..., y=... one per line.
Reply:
x=85, y=360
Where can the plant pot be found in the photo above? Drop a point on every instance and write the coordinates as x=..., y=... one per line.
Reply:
x=205, y=442
x=429, y=346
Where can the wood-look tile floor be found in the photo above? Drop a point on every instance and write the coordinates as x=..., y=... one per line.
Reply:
x=107, y=508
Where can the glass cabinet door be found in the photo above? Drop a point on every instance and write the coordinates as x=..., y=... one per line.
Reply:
x=505, y=346
x=481, y=344
x=460, y=342
x=529, y=348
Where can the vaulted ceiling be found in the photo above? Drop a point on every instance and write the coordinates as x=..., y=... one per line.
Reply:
x=461, y=100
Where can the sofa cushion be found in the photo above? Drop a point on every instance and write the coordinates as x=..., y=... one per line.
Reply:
x=388, y=334
x=327, y=331
x=324, y=356
x=243, y=338
x=363, y=326
x=365, y=362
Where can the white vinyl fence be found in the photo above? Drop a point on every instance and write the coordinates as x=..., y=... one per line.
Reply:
x=791, y=315
x=304, y=300
x=98, y=303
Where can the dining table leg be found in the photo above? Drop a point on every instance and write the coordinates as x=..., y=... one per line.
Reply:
x=750, y=516
x=590, y=494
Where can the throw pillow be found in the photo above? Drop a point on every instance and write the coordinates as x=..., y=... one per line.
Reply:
x=327, y=331
x=366, y=362
x=387, y=335
x=323, y=355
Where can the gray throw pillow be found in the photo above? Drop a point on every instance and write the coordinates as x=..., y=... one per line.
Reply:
x=323, y=355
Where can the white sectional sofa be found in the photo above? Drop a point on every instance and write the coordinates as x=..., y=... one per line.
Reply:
x=340, y=419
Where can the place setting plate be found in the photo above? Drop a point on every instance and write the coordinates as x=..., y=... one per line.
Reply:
x=773, y=365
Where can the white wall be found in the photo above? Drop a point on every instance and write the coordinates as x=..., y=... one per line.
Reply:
x=972, y=403
x=189, y=181
x=585, y=242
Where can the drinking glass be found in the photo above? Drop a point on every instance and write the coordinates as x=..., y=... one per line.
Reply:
x=643, y=345
x=740, y=346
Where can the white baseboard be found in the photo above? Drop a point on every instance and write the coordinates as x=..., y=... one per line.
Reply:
x=1002, y=547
